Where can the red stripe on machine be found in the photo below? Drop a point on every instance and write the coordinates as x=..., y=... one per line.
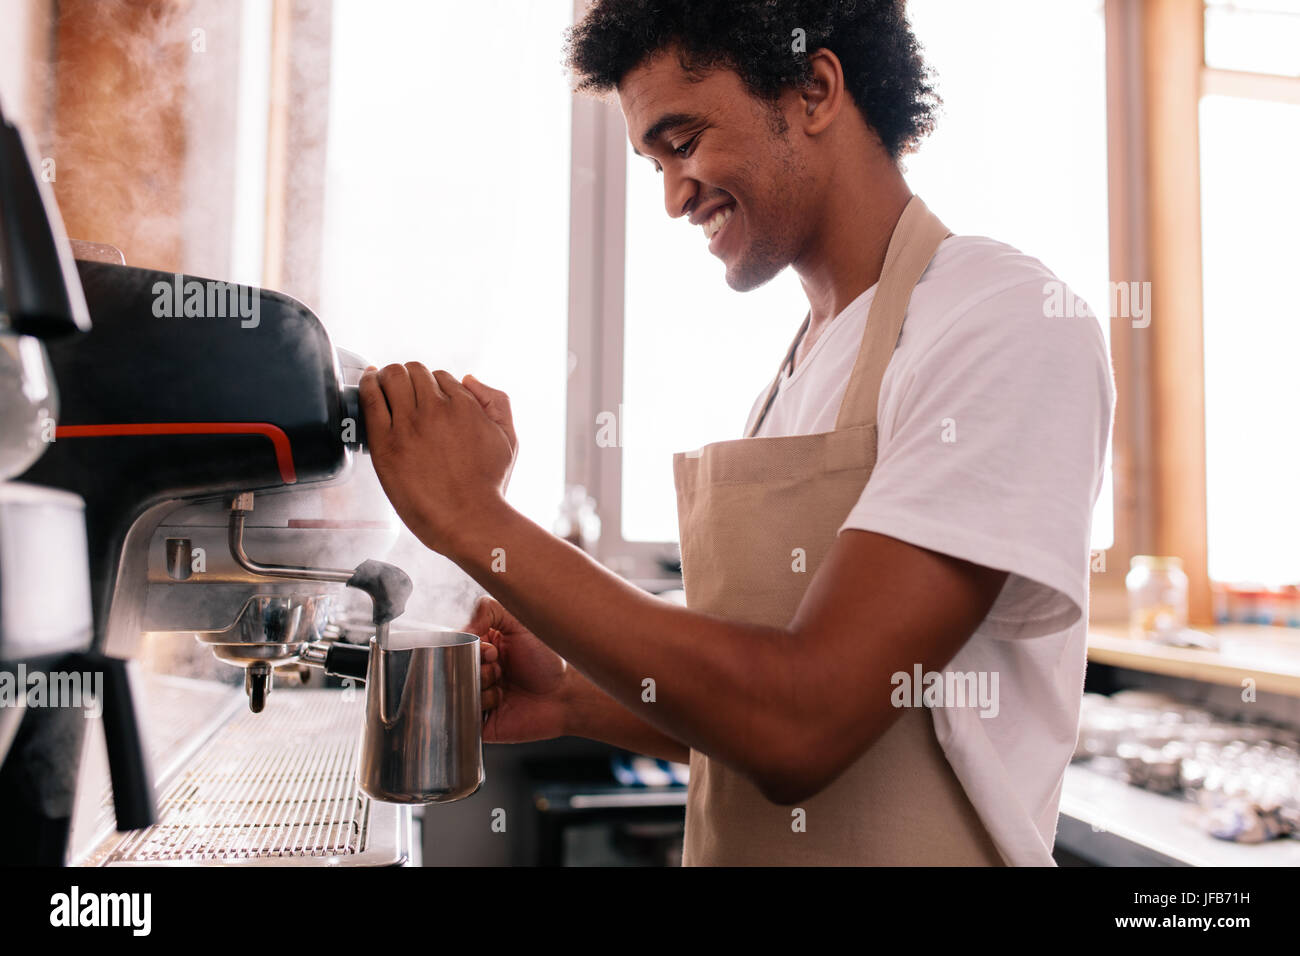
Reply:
x=280, y=441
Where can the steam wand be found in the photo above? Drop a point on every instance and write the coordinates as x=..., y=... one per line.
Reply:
x=389, y=588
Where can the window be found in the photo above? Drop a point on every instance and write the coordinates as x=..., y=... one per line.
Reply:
x=447, y=206
x=1250, y=199
x=1257, y=36
x=248, y=209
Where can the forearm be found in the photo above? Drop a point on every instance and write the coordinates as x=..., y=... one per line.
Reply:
x=593, y=714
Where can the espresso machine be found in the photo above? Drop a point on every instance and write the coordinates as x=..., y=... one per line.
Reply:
x=213, y=433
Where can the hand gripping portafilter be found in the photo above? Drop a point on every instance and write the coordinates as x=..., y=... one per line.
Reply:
x=388, y=586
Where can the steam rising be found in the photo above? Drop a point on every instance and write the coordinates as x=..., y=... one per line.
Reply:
x=444, y=595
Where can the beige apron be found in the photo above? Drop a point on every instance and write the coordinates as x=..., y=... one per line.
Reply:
x=743, y=507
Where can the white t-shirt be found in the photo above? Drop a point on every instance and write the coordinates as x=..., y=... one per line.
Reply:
x=993, y=423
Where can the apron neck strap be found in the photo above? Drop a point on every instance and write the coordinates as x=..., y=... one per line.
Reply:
x=915, y=240
x=776, y=382
x=913, y=244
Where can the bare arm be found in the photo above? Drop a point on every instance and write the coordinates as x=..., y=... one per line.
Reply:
x=594, y=714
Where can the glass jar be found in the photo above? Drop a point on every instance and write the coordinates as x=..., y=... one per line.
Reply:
x=1157, y=597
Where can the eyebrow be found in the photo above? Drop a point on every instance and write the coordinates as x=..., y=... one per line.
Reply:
x=664, y=124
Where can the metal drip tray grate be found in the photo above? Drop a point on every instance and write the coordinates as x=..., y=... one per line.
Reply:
x=277, y=787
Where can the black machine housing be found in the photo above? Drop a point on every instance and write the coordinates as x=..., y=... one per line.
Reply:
x=137, y=368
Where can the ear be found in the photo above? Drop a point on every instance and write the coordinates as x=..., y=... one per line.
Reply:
x=823, y=98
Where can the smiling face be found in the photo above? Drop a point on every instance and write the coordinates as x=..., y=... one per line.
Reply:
x=728, y=162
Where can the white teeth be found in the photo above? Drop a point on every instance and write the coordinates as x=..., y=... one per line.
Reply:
x=717, y=221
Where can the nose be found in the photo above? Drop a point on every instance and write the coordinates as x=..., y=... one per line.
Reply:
x=679, y=193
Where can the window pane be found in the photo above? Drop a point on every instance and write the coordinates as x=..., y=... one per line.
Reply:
x=1257, y=36
x=1250, y=202
x=249, y=210
x=447, y=205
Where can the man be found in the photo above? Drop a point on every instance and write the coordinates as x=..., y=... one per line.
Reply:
x=882, y=655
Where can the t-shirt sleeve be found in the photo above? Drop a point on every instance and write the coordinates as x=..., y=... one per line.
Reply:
x=992, y=444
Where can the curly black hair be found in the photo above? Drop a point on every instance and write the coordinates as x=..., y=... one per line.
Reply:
x=883, y=70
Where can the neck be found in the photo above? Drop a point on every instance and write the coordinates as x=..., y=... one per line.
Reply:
x=847, y=250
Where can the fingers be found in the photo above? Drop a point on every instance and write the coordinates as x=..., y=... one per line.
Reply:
x=422, y=383
x=398, y=390
x=488, y=612
x=495, y=402
x=450, y=387
x=404, y=387
x=490, y=672
x=373, y=403
x=488, y=397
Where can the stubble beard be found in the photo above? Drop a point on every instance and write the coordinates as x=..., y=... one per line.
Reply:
x=772, y=244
